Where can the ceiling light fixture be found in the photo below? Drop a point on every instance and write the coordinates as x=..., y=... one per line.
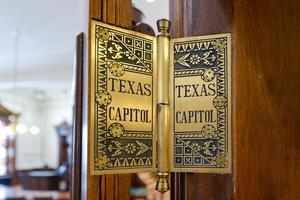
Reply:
x=34, y=130
x=21, y=128
x=150, y=1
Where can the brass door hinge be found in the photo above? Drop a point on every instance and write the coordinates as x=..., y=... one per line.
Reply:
x=158, y=104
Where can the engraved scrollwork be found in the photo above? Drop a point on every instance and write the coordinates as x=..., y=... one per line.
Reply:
x=122, y=53
x=116, y=149
x=142, y=148
x=208, y=58
x=183, y=60
x=189, y=59
x=116, y=51
x=207, y=146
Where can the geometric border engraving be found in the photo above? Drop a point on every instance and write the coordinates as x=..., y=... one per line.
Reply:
x=112, y=148
x=116, y=147
x=206, y=150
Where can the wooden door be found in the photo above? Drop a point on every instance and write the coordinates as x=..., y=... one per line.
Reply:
x=266, y=97
x=84, y=186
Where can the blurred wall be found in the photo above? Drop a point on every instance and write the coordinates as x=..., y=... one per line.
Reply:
x=37, y=151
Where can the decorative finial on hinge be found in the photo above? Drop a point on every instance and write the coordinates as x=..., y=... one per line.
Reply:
x=162, y=184
x=163, y=26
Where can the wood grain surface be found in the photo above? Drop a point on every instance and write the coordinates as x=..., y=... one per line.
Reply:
x=267, y=99
x=107, y=187
x=266, y=96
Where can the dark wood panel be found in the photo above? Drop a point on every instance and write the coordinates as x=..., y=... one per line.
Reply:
x=75, y=183
x=178, y=186
x=108, y=187
x=200, y=17
x=266, y=91
x=267, y=101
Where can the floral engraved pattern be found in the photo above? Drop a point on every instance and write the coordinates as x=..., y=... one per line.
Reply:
x=130, y=55
x=103, y=98
x=143, y=148
x=207, y=148
x=188, y=60
x=208, y=131
x=196, y=147
x=116, y=129
x=117, y=69
x=115, y=148
x=208, y=74
x=220, y=102
x=130, y=148
x=101, y=161
x=118, y=52
x=195, y=59
x=183, y=60
x=220, y=45
x=103, y=34
x=221, y=161
x=208, y=58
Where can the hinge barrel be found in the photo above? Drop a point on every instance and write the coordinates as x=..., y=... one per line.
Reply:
x=163, y=104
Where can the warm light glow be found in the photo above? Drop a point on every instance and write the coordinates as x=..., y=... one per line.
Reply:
x=34, y=130
x=21, y=128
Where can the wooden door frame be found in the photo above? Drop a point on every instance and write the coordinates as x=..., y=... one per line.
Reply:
x=265, y=94
x=75, y=180
x=83, y=186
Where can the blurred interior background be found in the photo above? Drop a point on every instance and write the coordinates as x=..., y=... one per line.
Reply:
x=36, y=95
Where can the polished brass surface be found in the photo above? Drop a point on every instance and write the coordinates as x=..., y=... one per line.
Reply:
x=177, y=90
x=122, y=97
x=201, y=104
x=163, y=58
x=163, y=143
x=163, y=103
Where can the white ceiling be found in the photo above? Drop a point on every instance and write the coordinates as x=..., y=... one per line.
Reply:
x=37, y=41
